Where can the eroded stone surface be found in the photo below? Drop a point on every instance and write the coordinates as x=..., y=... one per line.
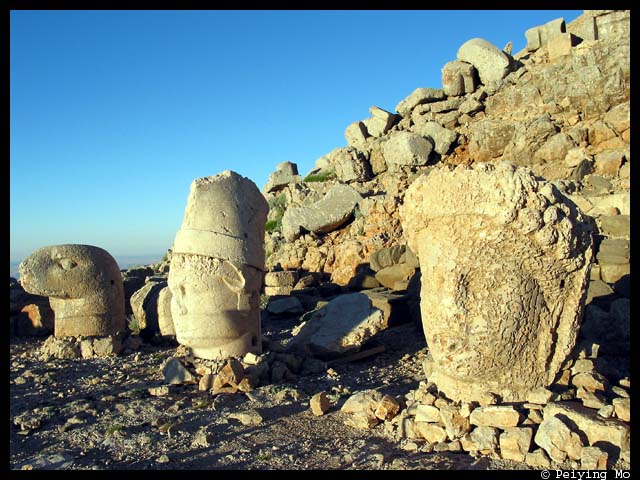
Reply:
x=217, y=267
x=84, y=286
x=505, y=260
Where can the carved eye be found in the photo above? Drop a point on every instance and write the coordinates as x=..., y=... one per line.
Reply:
x=67, y=264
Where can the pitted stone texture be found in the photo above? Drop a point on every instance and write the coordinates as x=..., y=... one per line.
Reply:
x=224, y=218
x=458, y=78
x=84, y=286
x=505, y=261
x=418, y=97
x=217, y=267
x=327, y=214
x=286, y=173
x=491, y=62
x=406, y=148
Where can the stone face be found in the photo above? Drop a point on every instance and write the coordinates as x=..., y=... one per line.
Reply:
x=515, y=443
x=418, y=97
x=216, y=267
x=325, y=215
x=504, y=263
x=491, y=62
x=339, y=327
x=458, y=78
x=84, y=286
x=406, y=148
x=443, y=138
x=500, y=416
x=558, y=440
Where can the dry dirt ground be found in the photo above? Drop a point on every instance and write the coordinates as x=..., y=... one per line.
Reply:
x=99, y=414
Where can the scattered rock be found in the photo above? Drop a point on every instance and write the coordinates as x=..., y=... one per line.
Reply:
x=175, y=372
x=320, y=404
x=500, y=416
x=249, y=417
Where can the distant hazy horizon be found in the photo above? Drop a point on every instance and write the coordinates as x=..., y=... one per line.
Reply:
x=124, y=262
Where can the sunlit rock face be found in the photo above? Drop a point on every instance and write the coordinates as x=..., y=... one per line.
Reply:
x=84, y=286
x=217, y=267
x=505, y=260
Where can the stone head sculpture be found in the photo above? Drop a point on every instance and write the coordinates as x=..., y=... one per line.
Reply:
x=505, y=260
x=84, y=286
x=217, y=267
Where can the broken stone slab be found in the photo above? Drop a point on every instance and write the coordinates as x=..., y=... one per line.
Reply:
x=175, y=372
x=593, y=458
x=491, y=63
x=360, y=409
x=431, y=432
x=557, y=439
x=538, y=36
x=591, y=381
x=406, y=148
x=443, y=138
x=286, y=173
x=611, y=435
x=458, y=78
x=284, y=306
x=458, y=297
x=356, y=134
x=287, y=278
x=418, y=97
x=616, y=225
x=217, y=266
x=323, y=216
x=84, y=286
x=350, y=165
x=380, y=122
x=471, y=106
x=340, y=327
x=500, y=416
x=319, y=404
x=515, y=443
x=561, y=45
x=144, y=305
x=427, y=413
x=483, y=440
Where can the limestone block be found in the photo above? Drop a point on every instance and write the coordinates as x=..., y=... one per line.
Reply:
x=539, y=36
x=325, y=215
x=406, y=148
x=442, y=138
x=515, y=443
x=593, y=458
x=418, y=97
x=557, y=439
x=144, y=304
x=84, y=286
x=499, y=416
x=217, y=267
x=561, y=45
x=385, y=257
x=380, y=122
x=286, y=173
x=339, y=327
x=431, y=432
x=390, y=276
x=481, y=439
x=287, y=278
x=356, y=134
x=349, y=165
x=458, y=78
x=505, y=325
x=491, y=62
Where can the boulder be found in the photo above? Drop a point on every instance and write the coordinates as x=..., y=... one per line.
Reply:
x=356, y=135
x=515, y=443
x=339, y=327
x=323, y=216
x=286, y=173
x=539, y=36
x=483, y=440
x=442, y=138
x=458, y=78
x=380, y=122
x=418, y=97
x=491, y=62
x=145, y=306
x=557, y=439
x=406, y=148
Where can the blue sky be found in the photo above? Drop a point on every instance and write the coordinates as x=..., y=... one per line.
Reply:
x=114, y=113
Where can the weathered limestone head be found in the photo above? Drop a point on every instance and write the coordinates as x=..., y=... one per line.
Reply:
x=217, y=266
x=85, y=288
x=505, y=259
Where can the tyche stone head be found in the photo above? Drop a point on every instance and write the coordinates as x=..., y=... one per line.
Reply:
x=85, y=288
x=505, y=259
x=217, y=267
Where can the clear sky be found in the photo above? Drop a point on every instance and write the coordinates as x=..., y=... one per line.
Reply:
x=114, y=113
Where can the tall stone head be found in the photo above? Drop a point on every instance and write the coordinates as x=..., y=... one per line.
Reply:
x=84, y=286
x=217, y=266
x=505, y=260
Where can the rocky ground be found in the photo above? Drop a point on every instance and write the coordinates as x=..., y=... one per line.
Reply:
x=99, y=414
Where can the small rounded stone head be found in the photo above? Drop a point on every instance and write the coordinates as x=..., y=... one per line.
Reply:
x=505, y=260
x=85, y=288
x=217, y=266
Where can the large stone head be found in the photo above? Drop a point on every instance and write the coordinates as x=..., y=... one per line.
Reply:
x=84, y=284
x=217, y=265
x=505, y=259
